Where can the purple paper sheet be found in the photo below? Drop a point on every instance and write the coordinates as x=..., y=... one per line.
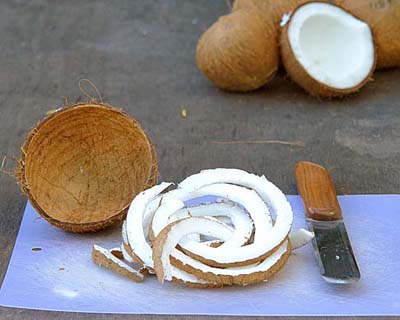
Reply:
x=62, y=276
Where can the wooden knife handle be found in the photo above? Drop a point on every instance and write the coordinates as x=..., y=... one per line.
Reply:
x=317, y=191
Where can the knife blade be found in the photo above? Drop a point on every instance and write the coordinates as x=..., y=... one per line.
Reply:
x=331, y=243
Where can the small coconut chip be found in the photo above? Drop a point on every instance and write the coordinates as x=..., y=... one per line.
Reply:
x=327, y=51
x=300, y=238
x=240, y=238
x=109, y=260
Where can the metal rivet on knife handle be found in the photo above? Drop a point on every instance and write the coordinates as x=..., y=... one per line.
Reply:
x=317, y=191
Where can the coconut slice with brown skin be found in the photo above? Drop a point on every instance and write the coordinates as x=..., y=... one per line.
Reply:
x=107, y=259
x=241, y=223
x=137, y=245
x=267, y=237
x=239, y=52
x=327, y=51
x=166, y=241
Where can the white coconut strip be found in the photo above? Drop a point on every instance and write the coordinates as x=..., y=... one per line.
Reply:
x=148, y=216
x=165, y=244
x=133, y=233
x=172, y=206
x=106, y=259
x=184, y=277
x=242, y=223
x=266, y=237
x=134, y=223
x=208, y=182
x=300, y=238
x=126, y=245
x=125, y=254
x=151, y=208
x=270, y=193
x=206, y=226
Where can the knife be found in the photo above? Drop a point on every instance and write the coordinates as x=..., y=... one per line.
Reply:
x=331, y=243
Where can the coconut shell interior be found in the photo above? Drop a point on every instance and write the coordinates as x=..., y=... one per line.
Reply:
x=82, y=166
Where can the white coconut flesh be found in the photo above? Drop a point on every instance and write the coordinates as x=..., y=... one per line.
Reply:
x=134, y=236
x=199, y=225
x=243, y=212
x=267, y=236
x=334, y=47
x=242, y=225
x=300, y=238
x=134, y=223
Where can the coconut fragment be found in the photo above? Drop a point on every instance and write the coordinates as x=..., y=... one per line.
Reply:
x=327, y=51
x=300, y=238
x=105, y=258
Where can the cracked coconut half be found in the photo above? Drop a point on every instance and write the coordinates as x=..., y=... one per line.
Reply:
x=327, y=51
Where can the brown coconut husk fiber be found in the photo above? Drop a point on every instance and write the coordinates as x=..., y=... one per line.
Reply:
x=82, y=166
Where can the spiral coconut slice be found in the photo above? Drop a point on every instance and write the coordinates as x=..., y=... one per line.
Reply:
x=164, y=250
x=267, y=236
x=327, y=51
x=135, y=242
x=241, y=223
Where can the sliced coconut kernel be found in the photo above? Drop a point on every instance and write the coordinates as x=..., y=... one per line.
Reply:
x=240, y=234
x=164, y=247
x=240, y=238
x=328, y=51
x=134, y=238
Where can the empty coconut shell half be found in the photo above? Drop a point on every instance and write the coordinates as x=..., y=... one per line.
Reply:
x=82, y=166
x=327, y=51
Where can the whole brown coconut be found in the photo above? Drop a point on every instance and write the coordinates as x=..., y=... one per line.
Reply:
x=239, y=52
x=384, y=18
x=81, y=166
x=270, y=9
